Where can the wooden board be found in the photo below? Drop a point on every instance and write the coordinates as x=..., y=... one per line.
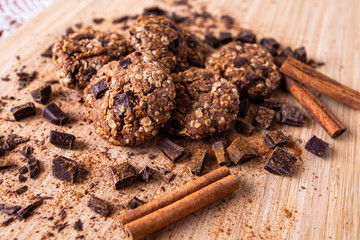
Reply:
x=322, y=199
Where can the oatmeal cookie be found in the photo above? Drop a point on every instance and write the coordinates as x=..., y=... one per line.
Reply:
x=197, y=50
x=129, y=100
x=79, y=55
x=249, y=66
x=205, y=104
x=162, y=37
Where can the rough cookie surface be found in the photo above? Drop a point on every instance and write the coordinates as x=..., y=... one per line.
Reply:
x=79, y=55
x=161, y=37
x=249, y=66
x=129, y=100
x=205, y=104
x=197, y=50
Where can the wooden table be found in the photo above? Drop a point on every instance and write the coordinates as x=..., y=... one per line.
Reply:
x=321, y=200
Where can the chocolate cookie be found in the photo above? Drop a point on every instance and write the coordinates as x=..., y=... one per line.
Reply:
x=79, y=55
x=205, y=104
x=129, y=100
x=249, y=66
x=162, y=38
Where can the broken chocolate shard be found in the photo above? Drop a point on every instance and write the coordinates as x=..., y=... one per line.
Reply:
x=211, y=40
x=171, y=150
x=156, y=11
x=65, y=169
x=225, y=37
x=100, y=88
x=123, y=175
x=98, y=20
x=239, y=62
x=23, y=111
x=78, y=225
x=12, y=141
x=244, y=128
x=47, y=53
x=243, y=107
x=273, y=103
x=316, y=146
x=280, y=162
x=275, y=138
x=300, y=54
x=42, y=94
x=197, y=161
x=62, y=140
x=291, y=115
x=246, y=37
x=134, y=203
x=240, y=152
x=21, y=190
x=271, y=45
x=34, y=167
x=5, y=164
x=219, y=150
x=54, y=114
x=123, y=104
x=146, y=173
x=27, y=211
x=27, y=151
x=9, y=210
x=99, y=206
x=120, y=19
x=22, y=178
x=124, y=63
x=7, y=221
x=264, y=117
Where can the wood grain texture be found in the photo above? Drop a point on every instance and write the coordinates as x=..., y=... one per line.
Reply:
x=322, y=199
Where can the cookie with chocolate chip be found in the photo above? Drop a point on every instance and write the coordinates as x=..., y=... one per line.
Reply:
x=197, y=50
x=79, y=55
x=249, y=66
x=205, y=104
x=129, y=100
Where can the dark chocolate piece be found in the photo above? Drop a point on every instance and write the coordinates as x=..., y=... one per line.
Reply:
x=34, y=167
x=239, y=62
x=120, y=19
x=122, y=103
x=54, y=114
x=21, y=190
x=99, y=206
x=240, y=152
x=42, y=94
x=146, y=173
x=211, y=40
x=171, y=150
x=62, y=140
x=273, y=103
x=27, y=211
x=179, y=19
x=280, y=162
x=27, y=151
x=9, y=210
x=123, y=175
x=243, y=128
x=264, y=117
x=12, y=141
x=100, y=88
x=219, y=150
x=78, y=225
x=271, y=45
x=23, y=111
x=156, y=11
x=316, y=146
x=7, y=221
x=228, y=20
x=225, y=37
x=275, y=138
x=98, y=20
x=134, y=203
x=300, y=54
x=243, y=107
x=291, y=115
x=197, y=161
x=246, y=37
x=4, y=164
x=42, y=197
x=47, y=53
x=65, y=169
x=22, y=178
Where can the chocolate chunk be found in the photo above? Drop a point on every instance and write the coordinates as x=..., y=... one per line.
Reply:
x=240, y=61
x=240, y=152
x=42, y=94
x=291, y=115
x=100, y=88
x=179, y=19
x=4, y=164
x=261, y=70
x=156, y=11
x=197, y=161
x=287, y=52
x=9, y=210
x=122, y=103
x=120, y=19
x=12, y=141
x=192, y=41
x=227, y=20
x=172, y=151
x=280, y=162
x=22, y=178
x=54, y=114
x=69, y=30
x=2, y=151
x=23, y=111
x=27, y=151
x=244, y=128
x=264, y=117
x=134, y=203
x=211, y=40
x=246, y=37
x=65, y=169
x=123, y=175
x=225, y=37
x=98, y=20
x=99, y=206
x=27, y=211
x=21, y=190
x=146, y=173
x=243, y=107
x=34, y=167
x=62, y=140
x=52, y=82
x=78, y=225
x=273, y=103
x=47, y=53
x=271, y=45
x=175, y=45
x=300, y=54
x=7, y=221
x=219, y=150
x=316, y=146
x=275, y=138
x=83, y=36
x=42, y=197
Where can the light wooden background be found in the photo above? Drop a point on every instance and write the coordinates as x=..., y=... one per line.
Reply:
x=322, y=199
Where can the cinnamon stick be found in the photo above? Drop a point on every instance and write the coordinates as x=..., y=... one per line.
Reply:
x=320, y=82
x=315, y=108
x=156, y=220
x=174, y=196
